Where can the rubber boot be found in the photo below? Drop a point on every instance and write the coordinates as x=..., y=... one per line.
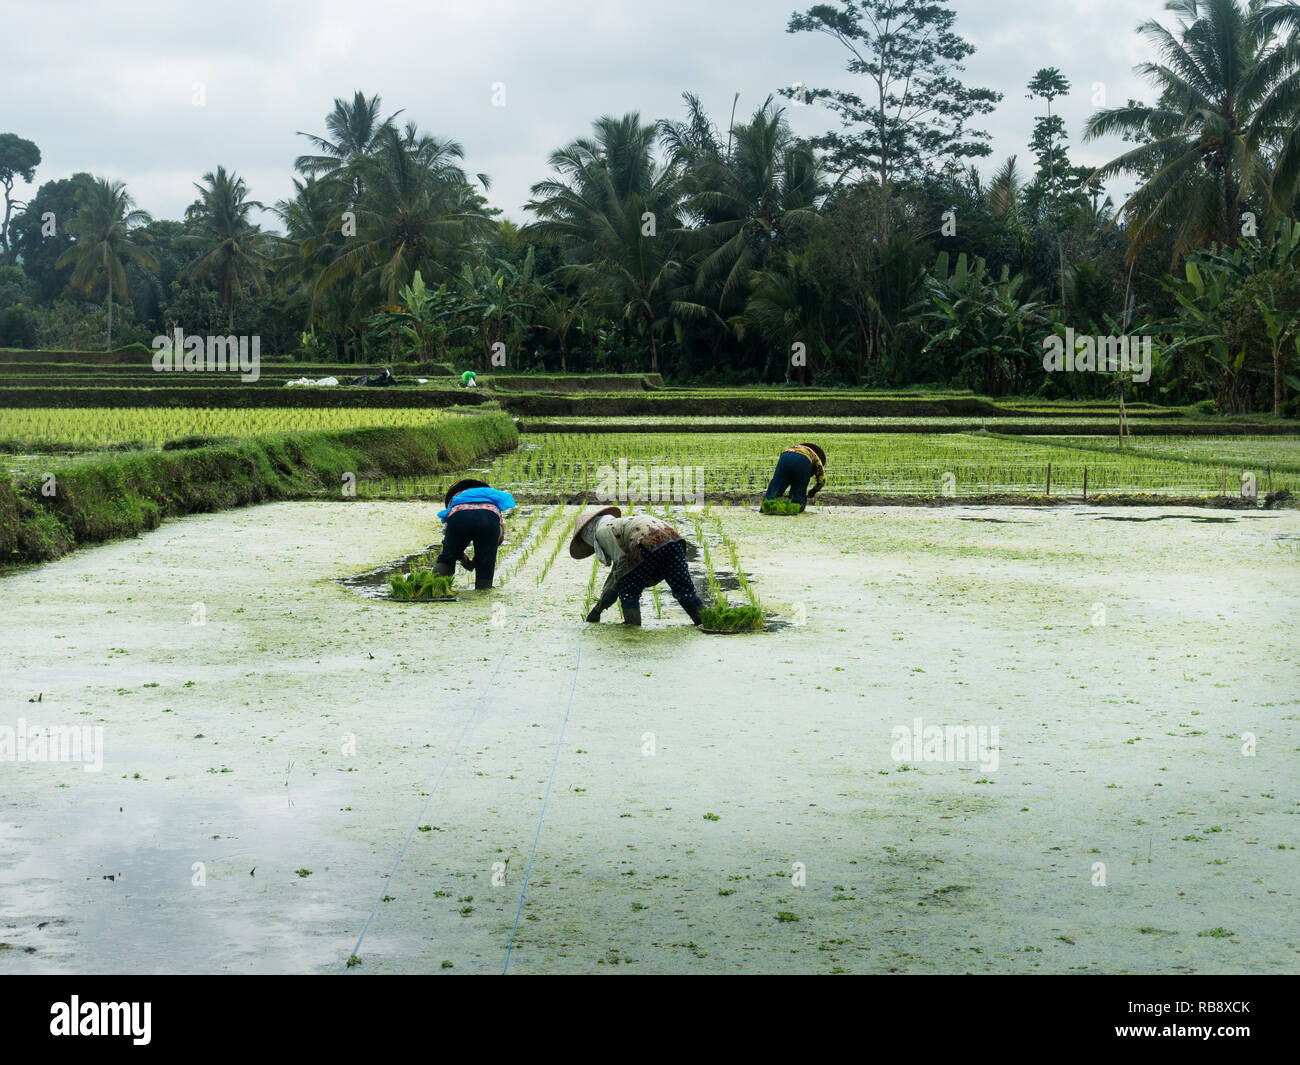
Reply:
x=632, y=617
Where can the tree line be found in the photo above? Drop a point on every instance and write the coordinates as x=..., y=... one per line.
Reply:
x=732, y=251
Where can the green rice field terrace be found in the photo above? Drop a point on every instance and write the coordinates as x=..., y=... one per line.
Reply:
x=152, y=427
x=939, y=456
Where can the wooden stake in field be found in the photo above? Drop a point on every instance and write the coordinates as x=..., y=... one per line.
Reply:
x=1123, y=419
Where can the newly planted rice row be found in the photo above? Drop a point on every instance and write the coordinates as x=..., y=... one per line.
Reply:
x=1257, y=453
x=708, y=465
x=1099, y=420
x=551, y=528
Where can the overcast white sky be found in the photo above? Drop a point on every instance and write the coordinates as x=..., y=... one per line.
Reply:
x=105, y=86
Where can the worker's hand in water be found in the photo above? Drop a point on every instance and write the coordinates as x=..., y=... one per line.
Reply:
x=594, y=615
x=467, y=562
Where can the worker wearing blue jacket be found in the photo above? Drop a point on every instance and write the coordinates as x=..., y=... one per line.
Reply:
x=472, y=513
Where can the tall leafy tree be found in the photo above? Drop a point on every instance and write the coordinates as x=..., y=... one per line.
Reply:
x=37, y=246
x=19, y=158
x=913, y=108
x=1048, y=144
x=103, y=231
x=1229, y=98
x=1049, y=139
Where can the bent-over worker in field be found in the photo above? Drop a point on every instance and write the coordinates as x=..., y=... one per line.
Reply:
x=796, y=466
x=472, y=514
x=641, y=550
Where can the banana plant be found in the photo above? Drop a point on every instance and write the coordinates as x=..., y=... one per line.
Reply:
x=425, y=319
x=1197, y=343
x=498, y=299
x=990, y=326
x=1281, y=324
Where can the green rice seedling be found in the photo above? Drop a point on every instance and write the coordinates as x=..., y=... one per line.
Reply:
x=529, y=544
x=779, y=506
x=659, y=607
x=421, y=585
x=740, y=572
x=723, y=617
x=710, y=578
x=521, y=538
x=591, y=585
x=560, y=542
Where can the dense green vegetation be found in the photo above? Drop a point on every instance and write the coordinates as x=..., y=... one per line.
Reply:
x=874, y=255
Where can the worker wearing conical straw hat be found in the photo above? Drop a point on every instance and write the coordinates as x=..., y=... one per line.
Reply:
x=794, y=469
x=641, y=550
x=472, y=514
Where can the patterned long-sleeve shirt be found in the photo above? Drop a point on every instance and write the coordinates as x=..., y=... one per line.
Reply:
x=623, y=543
x=819, y=471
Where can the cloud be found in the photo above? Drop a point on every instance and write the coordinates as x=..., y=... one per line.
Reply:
x=108, y=87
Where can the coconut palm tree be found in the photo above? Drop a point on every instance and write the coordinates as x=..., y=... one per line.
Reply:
x=102, y=229
x=749, y=196
x=1005, y=195
x=355, y=128
x=618, y=209
x=559, y=314
x=311, y=241
x=416, y=212
x=1229, y=99
x=231, y=249
x=783, y=305
x=1284, y=18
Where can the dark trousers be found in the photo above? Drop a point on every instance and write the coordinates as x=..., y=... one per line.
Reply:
x=793, y=471
x=666, y=563
x=479, y=527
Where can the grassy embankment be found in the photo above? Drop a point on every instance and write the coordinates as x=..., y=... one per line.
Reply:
x=43, y=517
